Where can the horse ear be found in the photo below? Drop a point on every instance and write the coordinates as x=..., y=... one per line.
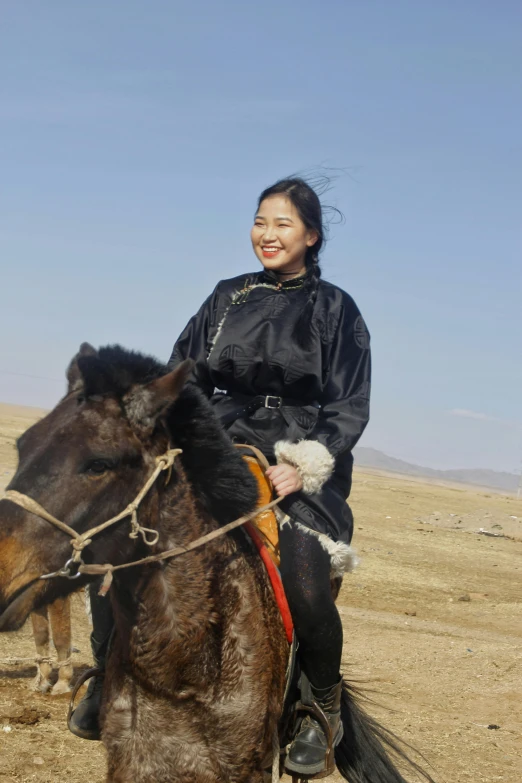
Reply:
x=74, y=373
x=144, y=405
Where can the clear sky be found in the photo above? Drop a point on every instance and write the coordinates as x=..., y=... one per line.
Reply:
x=136, y=136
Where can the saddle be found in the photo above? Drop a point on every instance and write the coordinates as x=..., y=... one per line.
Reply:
x=264, y=533
x=266, y=522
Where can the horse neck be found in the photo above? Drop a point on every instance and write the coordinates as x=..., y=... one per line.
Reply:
x=165, y=614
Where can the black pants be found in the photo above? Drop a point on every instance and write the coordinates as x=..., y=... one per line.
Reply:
x=305, y=571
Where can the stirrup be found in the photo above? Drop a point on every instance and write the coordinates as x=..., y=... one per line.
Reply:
x=87, y=675
x=329, y=765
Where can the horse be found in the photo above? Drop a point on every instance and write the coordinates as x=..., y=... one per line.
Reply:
x=195, y=676
x=50, y=622
x=53, y=620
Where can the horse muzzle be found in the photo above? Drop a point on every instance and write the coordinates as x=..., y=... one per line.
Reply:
x=15, y=611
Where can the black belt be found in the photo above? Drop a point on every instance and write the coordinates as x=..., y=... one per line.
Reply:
x=254, y=403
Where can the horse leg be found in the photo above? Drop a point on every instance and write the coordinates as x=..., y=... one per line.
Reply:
x=60, y=619
x=44, y=666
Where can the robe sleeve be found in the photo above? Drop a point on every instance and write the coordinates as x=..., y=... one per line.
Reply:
x=345, y=402
x=193, y=343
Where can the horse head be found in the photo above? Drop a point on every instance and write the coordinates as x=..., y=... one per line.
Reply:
x=83, y=463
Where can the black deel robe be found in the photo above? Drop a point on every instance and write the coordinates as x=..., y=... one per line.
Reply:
x=245, y=342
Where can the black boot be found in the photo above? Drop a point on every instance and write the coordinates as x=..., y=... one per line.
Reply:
x=84, y=721
x=309, y=753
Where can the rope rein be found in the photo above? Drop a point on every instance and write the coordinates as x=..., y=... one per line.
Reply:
x=150, y=537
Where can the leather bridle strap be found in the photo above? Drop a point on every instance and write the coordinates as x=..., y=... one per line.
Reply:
x=109, y=569
x=80, y=541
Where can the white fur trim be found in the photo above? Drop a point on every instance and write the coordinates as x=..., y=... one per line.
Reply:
x=283, y=519
x=312, y=460
x=342, y=556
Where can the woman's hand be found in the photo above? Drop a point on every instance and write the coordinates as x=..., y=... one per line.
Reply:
x=285, y=479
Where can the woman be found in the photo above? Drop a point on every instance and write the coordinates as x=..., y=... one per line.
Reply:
x=290, y=356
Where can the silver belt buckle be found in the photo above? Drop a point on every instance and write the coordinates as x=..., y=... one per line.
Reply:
x=278, y=402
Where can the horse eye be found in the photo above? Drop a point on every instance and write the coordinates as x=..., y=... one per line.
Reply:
x=98, y=467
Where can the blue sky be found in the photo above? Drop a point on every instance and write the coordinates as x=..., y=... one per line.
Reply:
x=136, y=136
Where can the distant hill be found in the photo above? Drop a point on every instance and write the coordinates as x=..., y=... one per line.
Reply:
x=366, y=457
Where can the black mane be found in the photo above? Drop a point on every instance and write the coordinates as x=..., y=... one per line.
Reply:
x=214, y=467
x=127, y=368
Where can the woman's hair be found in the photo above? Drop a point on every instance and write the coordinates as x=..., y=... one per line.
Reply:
x=306, y=201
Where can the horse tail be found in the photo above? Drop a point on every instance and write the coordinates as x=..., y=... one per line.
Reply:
x=367, y=750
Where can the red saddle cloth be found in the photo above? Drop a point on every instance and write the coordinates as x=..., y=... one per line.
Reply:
x=275, y=579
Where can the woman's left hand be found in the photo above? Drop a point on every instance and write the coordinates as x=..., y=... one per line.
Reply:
x=285, y=479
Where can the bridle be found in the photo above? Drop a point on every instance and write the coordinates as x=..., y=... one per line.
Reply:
x=75, y=566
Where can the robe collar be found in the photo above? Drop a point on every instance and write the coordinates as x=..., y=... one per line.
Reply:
x=267, y=276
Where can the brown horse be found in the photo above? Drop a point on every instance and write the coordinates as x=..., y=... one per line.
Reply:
x=53, y=620
x=195, y=674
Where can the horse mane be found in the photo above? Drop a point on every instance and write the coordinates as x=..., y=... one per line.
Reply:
x=219, y=476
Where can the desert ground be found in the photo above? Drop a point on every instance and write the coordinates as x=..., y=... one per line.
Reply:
x=433, y=630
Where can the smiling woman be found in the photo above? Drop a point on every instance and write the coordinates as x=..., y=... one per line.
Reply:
x=290, y=354
x=286, y=347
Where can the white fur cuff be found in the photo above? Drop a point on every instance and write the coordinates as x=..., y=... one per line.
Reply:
x=312, y=460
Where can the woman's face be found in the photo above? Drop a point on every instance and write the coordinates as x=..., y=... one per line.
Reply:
x=280, y=238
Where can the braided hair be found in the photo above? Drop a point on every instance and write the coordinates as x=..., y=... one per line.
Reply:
x=308, y=206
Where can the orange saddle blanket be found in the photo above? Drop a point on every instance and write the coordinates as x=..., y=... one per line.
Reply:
x=266, y=521
x=264, y=532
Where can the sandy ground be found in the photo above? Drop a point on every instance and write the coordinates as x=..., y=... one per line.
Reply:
x=433, y=626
